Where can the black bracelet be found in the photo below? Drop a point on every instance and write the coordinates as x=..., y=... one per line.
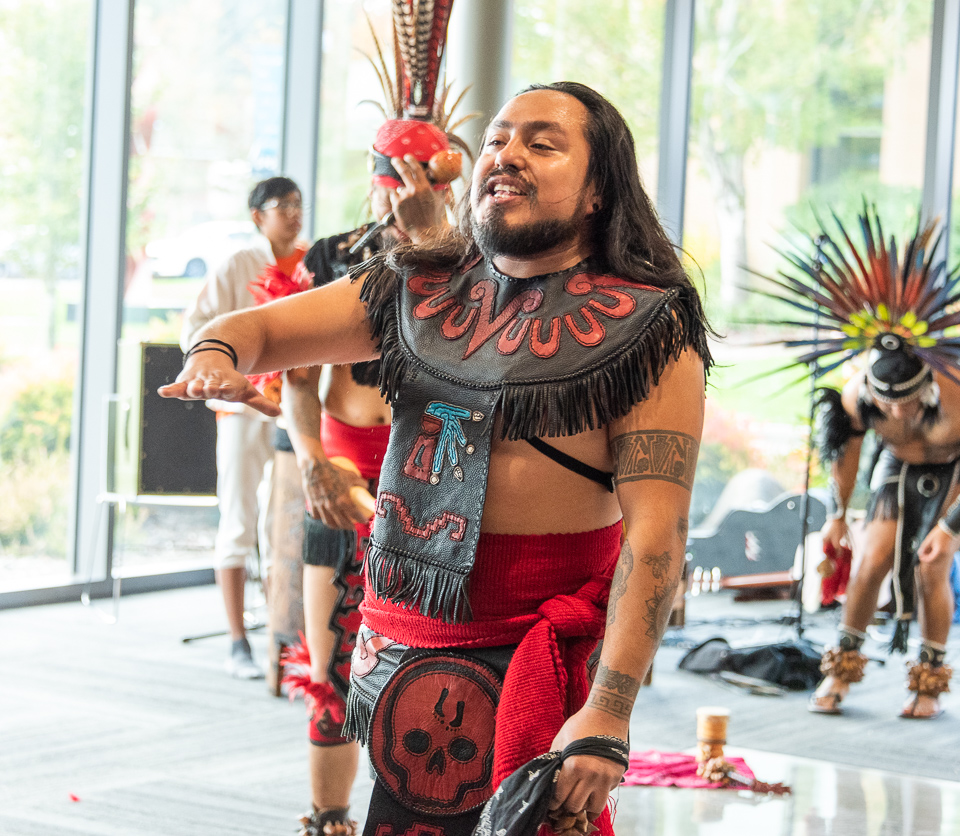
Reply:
x=600, y=746
x=196, y=350
x=230, y=350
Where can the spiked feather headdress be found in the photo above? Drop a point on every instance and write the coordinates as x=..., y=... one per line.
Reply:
x=871, y=297
x=418, y=110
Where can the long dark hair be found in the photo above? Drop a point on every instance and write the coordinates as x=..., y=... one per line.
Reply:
x=628, y=239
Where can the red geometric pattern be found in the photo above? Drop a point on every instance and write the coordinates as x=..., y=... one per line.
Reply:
x=414, y=830
x=424, y=532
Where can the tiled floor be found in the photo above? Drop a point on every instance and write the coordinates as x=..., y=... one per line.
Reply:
x=826, y=800
x=124, y=730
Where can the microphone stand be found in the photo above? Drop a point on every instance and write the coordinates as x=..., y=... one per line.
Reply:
x=805, y=498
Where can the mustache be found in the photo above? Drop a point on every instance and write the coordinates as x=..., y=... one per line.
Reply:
x=507, y=171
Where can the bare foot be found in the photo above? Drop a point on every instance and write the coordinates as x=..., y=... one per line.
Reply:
x=921, y=707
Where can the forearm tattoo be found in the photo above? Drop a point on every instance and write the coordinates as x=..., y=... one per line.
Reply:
x=619, y=683
x=839, y=506
x=619, y=583
x=659, y=605
x=613, y=692
x=659, y=564
x=655, y=454
x=683, y=527
x=617, y=706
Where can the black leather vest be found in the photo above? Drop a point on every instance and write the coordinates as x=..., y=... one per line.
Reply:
x=553, y=355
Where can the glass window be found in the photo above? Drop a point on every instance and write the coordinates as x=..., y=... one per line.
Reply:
x=350, y=115
x=206, y=121
x=796, y=108
x=614, y=47
x=44, y=49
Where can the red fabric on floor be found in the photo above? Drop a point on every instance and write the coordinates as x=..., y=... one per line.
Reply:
x=673, y=769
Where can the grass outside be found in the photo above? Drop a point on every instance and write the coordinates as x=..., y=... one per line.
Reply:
x=747, y=381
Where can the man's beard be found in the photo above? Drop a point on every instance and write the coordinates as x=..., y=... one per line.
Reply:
x=495, y=237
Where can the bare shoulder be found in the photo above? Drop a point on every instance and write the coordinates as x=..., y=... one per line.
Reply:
x=677, y=399
x=660, y=437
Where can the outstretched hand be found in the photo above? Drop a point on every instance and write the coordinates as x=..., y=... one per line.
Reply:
x=202, y=380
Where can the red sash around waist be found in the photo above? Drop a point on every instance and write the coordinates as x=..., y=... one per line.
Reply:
x=548, y=595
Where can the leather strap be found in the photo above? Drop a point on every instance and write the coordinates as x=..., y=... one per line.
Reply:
x=570, y=463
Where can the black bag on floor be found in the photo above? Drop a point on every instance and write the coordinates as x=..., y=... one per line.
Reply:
x=794, y=665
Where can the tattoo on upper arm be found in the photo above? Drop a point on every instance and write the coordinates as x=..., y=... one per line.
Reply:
x=683, y=527
x=655, y=454
x=619, y=583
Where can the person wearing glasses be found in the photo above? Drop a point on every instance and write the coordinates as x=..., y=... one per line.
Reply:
x=245, y=436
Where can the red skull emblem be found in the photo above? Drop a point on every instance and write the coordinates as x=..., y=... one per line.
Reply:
x=431, y=739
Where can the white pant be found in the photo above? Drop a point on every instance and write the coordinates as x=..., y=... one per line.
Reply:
x=244, y=469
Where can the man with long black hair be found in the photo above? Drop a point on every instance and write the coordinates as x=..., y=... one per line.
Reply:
x=546, y=367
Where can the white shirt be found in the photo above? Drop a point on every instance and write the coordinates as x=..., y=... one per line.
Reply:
x=226, y=290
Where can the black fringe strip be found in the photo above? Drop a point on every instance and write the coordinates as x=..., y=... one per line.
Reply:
x=324, y=546
x=356, y=724
x=834, y=427
x=379, y=295
x=562, y=407
x=901, y=636
x=433, y=591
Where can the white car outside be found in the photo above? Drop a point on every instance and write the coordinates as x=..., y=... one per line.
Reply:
x=199, y=248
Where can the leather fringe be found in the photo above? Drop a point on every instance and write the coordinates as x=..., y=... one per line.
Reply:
x=359, y=713
x=431, y=590
x=834, y=427
x=901, y=634
x=561, y=407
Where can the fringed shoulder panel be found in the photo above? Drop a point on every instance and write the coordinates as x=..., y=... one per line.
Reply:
x=563, y=395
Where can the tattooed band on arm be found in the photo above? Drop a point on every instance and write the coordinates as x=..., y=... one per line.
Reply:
x=655, y=454
x=613, y=692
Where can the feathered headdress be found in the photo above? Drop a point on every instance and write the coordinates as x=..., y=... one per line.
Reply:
x=417, y=112
x=871, y=297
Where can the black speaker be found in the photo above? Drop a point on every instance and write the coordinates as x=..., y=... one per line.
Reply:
x=175, y=441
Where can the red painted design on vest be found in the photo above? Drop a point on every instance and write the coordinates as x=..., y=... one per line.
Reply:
x=426, y=531
x=482, y=323
x=420, y=460
x=366, y=654
x=417, y=829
